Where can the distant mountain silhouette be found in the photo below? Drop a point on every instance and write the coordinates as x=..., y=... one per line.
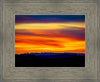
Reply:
x=42, y=54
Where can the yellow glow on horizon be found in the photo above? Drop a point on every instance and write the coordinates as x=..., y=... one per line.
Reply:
x=41, y=48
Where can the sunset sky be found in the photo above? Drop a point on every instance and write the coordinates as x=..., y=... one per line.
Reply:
x=49, y=33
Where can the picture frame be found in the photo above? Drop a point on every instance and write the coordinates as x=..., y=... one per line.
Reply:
x=76, y=74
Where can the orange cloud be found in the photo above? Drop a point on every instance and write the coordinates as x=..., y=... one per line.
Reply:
x=53, y=37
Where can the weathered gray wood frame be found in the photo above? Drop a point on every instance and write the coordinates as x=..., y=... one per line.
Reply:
x=11, y=8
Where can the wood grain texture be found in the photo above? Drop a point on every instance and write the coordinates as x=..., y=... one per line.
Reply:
x=10, y=72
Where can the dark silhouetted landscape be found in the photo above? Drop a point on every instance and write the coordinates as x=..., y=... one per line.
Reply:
x=50, y=60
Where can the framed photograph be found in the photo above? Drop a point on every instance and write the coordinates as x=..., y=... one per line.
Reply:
x=49, y=41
